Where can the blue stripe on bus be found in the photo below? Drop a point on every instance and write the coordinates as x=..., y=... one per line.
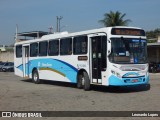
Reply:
x=75, y=69
x=20, y=67
x=67, y=69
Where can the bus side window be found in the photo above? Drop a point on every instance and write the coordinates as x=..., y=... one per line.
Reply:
x=43, y=46
x=33, y=49
x=66, y=46
x=53, y=49
x=19, y=51
x=80, y=45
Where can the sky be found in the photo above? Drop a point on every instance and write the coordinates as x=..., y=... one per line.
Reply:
x=78, y=15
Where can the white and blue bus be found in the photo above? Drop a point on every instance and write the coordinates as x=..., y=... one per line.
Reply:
x=111, y=56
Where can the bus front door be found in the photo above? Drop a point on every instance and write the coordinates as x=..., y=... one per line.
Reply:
x=98, y=50
x=25, y=59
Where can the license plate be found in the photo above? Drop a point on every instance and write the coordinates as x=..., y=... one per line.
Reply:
x=135, y=80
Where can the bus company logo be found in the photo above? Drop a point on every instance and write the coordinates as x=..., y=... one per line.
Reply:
x=6, y=114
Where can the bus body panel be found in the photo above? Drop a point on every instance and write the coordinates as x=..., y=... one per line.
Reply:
x=115, y=81
x=55, y=68
x=138, y=74
x=66, y=67
x=18, y=69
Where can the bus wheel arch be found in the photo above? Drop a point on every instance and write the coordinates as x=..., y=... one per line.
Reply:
x=35, y=76
x=83, y=80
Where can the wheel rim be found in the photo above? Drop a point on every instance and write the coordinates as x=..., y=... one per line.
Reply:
x=35, y=77
x=82, y=80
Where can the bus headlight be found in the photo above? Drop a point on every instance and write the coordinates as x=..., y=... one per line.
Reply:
x=115, y=73
x=118, y=75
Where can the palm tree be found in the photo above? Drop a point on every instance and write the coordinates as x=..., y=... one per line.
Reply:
x=114, y=19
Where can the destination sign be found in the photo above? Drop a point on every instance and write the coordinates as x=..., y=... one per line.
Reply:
x=127, y=31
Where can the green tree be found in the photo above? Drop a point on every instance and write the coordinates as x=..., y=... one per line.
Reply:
x=152, y=36
x=114, y=19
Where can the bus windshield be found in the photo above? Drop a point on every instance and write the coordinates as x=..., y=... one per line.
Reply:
x=128, y=51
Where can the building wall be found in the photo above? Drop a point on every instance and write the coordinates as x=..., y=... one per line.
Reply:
x=154, y=54
x=159, y=38
x=7, y=56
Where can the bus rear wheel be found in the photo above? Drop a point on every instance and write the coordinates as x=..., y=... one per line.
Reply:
x=83, y=81
x=79, y=81
x=35, y=77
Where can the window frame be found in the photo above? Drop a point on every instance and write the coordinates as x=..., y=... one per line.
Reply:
x=40, y=51
x=50, y=53
x=18, y=53
x=64, y=51
x=37, y=50
x=81, y=40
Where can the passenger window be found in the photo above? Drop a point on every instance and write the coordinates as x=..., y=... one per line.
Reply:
x=33, y=49
x=80, y=45
x=43, y=46
x=66, y=46
x=53, y=48
x=19, y=51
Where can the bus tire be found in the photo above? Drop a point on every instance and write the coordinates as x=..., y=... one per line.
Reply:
x=35, y=77
x=86, y=83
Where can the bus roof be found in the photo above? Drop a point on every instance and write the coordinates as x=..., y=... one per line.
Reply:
x=36, y=34
x=46, y=36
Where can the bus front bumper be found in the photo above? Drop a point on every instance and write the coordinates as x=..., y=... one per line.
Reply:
x=115, y=81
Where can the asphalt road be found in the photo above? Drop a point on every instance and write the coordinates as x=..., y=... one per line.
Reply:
x=17, y=94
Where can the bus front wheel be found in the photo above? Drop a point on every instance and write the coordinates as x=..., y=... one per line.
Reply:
x=86, y=84
x=35, y=77
x=83, y=81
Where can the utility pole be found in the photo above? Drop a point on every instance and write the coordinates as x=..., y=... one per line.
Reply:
x=58, y=23
x=16, y=36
